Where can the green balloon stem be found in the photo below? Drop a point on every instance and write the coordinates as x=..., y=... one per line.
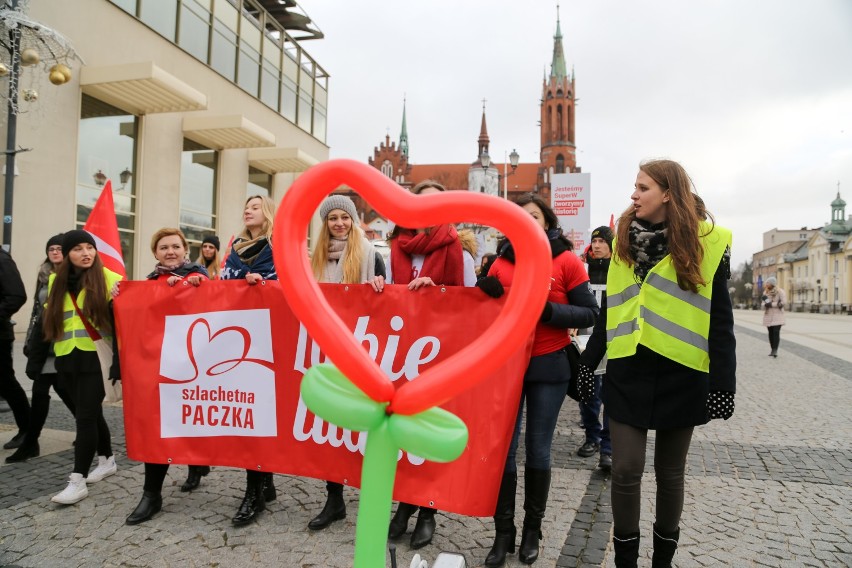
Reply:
x=377, y=478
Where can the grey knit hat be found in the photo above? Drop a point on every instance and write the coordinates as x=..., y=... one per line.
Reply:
x=338, y=202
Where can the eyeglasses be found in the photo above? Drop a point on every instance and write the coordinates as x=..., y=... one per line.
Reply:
x=54, y=249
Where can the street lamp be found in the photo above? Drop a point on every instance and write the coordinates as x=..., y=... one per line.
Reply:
x=748, y=287
x=100, y=178
x=514, y=158
x=125, y=176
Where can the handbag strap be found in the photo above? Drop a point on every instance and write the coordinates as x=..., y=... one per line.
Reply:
x=90, y=329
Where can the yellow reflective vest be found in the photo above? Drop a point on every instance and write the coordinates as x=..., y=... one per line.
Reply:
x=75, y=334
x=672, y=322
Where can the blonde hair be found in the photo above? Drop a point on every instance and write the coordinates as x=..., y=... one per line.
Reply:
x=351, y=262
x=213, y=266
x=267, y=206
x=168, y=232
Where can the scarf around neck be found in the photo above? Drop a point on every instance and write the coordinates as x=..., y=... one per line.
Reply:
x=443, y=261
x=649, y=244
x=333, y=271
x=248, y=249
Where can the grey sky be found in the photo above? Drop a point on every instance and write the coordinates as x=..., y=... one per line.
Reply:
x=753, y=97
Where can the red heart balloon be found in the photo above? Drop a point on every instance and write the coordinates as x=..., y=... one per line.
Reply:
x=478, y=360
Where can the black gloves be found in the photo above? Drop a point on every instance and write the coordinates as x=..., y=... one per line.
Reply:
x=547, y=312
x=585, y=383
x=491, y=286
x=720, y=404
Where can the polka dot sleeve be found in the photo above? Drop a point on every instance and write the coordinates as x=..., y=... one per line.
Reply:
x=720, y=405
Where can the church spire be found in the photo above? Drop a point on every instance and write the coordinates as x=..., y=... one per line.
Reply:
x=403, y=136
x=557, y=67
x=483, y=133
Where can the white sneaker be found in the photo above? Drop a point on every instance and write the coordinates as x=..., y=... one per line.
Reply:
x=106, y=467
x=76, y=491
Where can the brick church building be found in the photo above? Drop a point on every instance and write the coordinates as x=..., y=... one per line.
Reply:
x=557, y=154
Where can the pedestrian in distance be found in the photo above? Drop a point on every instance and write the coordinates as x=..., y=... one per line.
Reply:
x=41, y=364
x=77, y=314
x=250, y=259
x=209, y=256
x=596, y=427
x=12, y=297
x=422, y=258
x=570, y=305
x=774, y=302
x=342, y=255
x=666, y=327
x=170, y=249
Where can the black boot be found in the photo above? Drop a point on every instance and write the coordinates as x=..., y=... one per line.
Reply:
x=28, y=449
x=626, y=550
x=399, y=522
x=665, y=545
x=193, y=478
x=150, y=505
x=269, y=492
x=504, y=521
x=536, y=489
x=16, y=440
x=424, y=529
x=334, y=509
x=253, y=501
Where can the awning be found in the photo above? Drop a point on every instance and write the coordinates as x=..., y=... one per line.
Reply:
x=279, y=160
x=140, y=88
x=229, y=131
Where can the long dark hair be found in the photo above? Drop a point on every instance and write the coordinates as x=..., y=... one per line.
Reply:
x=550, y=219
x=95, y=308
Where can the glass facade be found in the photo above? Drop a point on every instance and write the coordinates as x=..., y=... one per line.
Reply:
x=259, y=183
x=107, y=147
x=247, y=46
x=197, y=194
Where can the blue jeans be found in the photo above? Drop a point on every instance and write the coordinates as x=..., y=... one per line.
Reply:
x=597, y=430
x=543, y=402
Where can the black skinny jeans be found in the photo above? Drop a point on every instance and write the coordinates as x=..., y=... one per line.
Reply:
x=10, y=388
x=80, y=374
x=628, y=463
x=774, y=336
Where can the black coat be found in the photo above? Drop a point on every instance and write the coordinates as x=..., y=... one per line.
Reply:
x=648, y=390
x=13, y=295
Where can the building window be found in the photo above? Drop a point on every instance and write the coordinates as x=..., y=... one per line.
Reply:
x=259, y=183
x=387, y=168
x=107, y=144
x=197, y=194
x=560, y=164
x=161, y=16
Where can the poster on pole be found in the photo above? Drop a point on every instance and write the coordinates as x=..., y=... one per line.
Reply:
x=571, y=200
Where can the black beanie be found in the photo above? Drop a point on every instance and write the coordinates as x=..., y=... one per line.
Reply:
x=73, y=238
x=605, y=233
x=212, y=239
x=53, y=241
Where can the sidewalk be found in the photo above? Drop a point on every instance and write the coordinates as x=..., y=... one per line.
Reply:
x=770, y=487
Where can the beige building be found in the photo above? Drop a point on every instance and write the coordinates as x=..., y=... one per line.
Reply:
x=188, y=106
x=816, y=273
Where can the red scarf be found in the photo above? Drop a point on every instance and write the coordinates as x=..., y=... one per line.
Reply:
x=441, y=247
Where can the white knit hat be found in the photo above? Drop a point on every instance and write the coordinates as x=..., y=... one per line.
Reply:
x=338, y=202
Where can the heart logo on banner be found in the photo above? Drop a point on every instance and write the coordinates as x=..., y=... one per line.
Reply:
x=482, y=357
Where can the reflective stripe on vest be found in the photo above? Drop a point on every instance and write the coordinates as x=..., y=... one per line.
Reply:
x=75, y=334
x=659, y=314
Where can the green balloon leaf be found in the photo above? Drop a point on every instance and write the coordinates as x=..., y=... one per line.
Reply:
x=434, y=434
x=333, y=397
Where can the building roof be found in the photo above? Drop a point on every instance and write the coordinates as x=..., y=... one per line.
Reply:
x=455, y=176
x=291, y=16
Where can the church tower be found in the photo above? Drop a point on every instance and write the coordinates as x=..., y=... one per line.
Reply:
x=558, y=150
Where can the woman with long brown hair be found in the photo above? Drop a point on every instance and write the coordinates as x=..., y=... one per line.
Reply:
x=666, y=327
x=77, y=314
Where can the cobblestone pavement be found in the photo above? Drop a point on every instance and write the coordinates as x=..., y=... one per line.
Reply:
x=770, y=487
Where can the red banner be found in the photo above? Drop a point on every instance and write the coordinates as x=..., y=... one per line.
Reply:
x=211, y=375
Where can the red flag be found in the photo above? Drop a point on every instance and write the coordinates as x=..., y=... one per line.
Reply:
x=103, y=226
x=612, y=221
x=227, y=252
